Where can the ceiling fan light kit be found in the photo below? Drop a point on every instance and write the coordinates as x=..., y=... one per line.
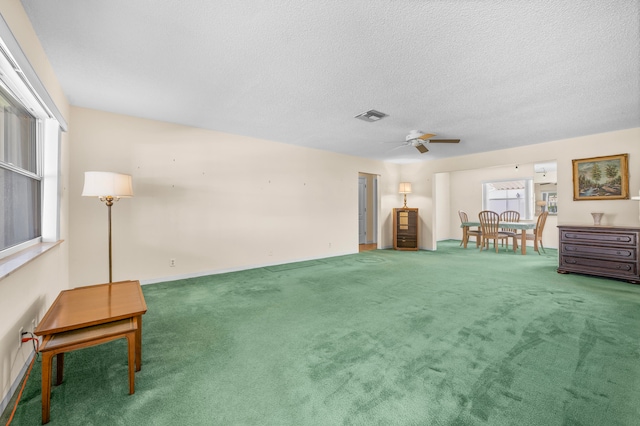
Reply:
x=417, y=134
x=418, y=138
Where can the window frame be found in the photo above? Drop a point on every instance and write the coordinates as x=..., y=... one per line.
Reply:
x=47, y=132
x=21, y=163
x=529, y=195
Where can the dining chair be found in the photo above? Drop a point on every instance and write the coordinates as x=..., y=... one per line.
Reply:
x=536, y=237
x=477, y=233
x=510, y=216
x=490, y=226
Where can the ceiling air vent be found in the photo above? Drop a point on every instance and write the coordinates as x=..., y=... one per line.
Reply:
x=371, y=116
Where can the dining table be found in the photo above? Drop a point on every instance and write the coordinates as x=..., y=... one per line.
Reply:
x=522, y=226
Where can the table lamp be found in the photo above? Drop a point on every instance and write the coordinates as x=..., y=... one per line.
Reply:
x=405, y=188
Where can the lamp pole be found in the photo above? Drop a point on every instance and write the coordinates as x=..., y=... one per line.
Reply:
x=108, y=200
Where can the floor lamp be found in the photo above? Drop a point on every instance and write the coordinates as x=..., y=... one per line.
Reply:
x=108, y=187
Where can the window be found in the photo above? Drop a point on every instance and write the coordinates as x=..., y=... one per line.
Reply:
x=30, y=126
x=505, y=195
x=20, y=179
x=551, y=202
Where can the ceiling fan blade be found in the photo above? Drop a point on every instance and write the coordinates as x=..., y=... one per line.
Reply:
x=444, y=140
x=426, y=136
x=397, y=147
x=421, y=148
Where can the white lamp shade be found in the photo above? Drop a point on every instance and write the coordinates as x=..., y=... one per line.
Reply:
x=405, y=188
x=104, y=184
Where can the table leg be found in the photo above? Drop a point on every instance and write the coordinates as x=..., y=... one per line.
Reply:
x=131, y=358
x=139, y=343
x=524, y=241
x=47, y=359
x=59, y=368
x=465, y=236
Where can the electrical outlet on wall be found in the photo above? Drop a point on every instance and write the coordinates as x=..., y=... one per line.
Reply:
x=20, y=336
x=172, y=263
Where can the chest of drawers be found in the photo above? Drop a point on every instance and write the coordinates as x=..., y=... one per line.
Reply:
x=605, y=251
x=405, y=229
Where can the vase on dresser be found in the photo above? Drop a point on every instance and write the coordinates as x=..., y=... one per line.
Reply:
x=597, y=217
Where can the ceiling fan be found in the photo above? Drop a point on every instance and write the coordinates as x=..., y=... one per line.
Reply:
x=418, y=139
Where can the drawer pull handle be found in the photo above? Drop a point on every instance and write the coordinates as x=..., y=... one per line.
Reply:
x=571, y=261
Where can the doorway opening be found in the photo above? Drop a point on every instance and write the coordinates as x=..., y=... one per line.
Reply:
x=367, y=211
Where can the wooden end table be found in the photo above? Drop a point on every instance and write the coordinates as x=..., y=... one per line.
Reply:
x=86, y=307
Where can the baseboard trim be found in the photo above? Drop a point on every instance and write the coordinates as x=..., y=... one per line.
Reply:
x=6, y=401
x=236, y=269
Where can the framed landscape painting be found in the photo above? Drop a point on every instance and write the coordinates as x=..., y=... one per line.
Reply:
x=601, y=178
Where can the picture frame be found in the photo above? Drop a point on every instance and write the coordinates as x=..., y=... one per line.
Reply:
x=601, y=178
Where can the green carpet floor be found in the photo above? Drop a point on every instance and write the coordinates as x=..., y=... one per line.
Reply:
x=451, y=337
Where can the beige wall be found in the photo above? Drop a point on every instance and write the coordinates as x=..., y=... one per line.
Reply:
x=212, y=201
x=442, y=209
x=27, y=293
x=473, y=169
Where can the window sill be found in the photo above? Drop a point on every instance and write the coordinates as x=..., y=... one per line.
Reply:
x=12, y=263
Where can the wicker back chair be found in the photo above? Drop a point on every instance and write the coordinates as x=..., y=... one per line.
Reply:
x=536, y=237
x=477, y=233
x=490, y=226
x=510, y=216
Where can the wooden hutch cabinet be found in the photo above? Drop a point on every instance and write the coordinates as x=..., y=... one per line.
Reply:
x=605, y=251
x=405, y=229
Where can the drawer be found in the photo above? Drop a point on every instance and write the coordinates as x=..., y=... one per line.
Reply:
x=626, y=239
x=614, y=253
x=407, y=242
x=410, y=232
x=598, y=267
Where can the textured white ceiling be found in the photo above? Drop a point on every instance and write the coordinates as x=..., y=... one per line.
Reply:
x=492, y=73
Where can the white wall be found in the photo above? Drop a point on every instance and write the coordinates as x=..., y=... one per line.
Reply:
x=211, y=201
x=496, y=164
x=27, y=293
x=443, y=191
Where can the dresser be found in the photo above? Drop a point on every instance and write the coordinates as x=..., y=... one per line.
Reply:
x=405, y=229
x=604, y=251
